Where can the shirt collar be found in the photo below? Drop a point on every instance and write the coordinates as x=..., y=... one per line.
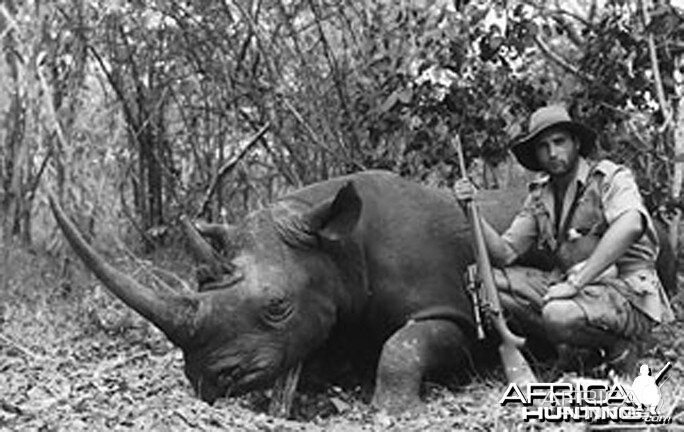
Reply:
x=583, y=169
x=543, y=186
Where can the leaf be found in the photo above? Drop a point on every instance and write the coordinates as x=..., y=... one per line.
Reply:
x=405, y=95
x=531, y=28
x=340, y=405
x=39, y=400
x=389, y=102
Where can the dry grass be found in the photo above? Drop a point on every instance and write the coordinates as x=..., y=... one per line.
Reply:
x=72, y=359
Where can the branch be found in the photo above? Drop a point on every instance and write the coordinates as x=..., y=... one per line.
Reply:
x=36, y=180
x=150, y=271
x=332, y=62
x=657, y=78
x=544, y=11
x=228, y=167
x=312, y=134
x=262, y=42
x=126, y=211
x=290, y=173
x=678, y=169
x=49, y=102
x=128, y=114
x=577, y=17
x=569, y=29
x=9, y=342
x=560, y=61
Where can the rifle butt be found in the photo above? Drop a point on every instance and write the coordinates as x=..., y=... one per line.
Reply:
x=516, y=368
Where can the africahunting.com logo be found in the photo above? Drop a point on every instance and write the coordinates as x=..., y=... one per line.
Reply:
x=592, y=400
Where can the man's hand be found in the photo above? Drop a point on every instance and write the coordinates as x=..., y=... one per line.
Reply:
x=464, y=191
x=561, y=290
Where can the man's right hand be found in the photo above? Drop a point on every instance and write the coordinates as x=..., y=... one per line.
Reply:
x=464, y=190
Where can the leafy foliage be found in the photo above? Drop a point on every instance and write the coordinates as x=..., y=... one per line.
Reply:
x=340, y=87
x=622, y=104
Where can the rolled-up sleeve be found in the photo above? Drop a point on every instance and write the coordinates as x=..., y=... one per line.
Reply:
x=620, y=195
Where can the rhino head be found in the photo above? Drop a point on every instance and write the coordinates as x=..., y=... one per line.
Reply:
x=269, y=293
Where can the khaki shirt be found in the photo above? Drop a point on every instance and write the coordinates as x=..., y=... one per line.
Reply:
x=604, y=191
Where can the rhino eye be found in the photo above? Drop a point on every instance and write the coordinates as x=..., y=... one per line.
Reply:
x=277, y=310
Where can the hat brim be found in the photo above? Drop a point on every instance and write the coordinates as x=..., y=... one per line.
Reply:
x=526, y=153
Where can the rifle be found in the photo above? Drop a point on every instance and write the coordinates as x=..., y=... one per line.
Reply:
x=481, y=278
x=661, y=374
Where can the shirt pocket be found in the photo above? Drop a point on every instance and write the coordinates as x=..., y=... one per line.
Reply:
x=588, y=213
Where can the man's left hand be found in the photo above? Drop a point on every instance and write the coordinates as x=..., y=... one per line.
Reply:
x=560, y=290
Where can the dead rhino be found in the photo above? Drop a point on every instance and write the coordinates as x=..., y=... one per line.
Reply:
x=369, y=256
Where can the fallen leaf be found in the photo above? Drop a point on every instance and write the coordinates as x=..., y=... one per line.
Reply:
x=340, y=405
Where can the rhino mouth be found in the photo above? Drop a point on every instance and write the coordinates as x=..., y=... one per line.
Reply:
x=236, y=380
x=242, y=380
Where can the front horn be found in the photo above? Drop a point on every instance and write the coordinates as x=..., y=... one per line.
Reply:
x=171, y=313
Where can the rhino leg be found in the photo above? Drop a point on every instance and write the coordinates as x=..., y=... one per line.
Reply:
x=418, y=349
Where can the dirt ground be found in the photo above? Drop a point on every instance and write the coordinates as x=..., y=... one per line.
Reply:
x=74, y=359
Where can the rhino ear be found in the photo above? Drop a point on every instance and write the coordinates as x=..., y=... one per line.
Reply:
x=336, y=218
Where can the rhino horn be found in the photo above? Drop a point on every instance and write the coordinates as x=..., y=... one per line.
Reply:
x=173, y=314
x=200, y=248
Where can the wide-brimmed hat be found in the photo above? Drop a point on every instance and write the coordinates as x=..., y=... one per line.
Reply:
x=552, y=116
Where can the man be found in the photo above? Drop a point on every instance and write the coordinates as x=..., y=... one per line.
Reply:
x=600, y=295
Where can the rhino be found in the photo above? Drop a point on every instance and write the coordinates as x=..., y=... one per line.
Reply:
x=371, y=259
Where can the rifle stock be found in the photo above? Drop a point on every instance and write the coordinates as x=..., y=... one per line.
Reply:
x=516, y=368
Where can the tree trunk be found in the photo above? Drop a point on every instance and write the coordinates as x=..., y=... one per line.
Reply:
x=678, y=174
x=150, y=176
x=14, y=165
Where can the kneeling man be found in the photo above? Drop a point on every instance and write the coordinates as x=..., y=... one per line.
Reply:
x=601, y=294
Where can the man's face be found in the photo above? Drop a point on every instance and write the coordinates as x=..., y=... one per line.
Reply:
x=557, y=151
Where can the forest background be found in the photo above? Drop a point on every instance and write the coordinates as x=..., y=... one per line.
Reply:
x=136, y=112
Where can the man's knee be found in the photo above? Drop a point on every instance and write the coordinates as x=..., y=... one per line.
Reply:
x=563, y=319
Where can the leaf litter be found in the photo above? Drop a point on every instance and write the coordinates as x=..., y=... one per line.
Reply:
x=83, y=362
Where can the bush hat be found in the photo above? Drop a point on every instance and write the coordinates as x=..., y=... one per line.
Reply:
x=552, y=116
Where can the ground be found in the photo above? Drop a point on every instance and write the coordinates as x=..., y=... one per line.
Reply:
x=72, y=358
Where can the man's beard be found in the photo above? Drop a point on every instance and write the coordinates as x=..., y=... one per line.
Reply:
x=559, y=167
